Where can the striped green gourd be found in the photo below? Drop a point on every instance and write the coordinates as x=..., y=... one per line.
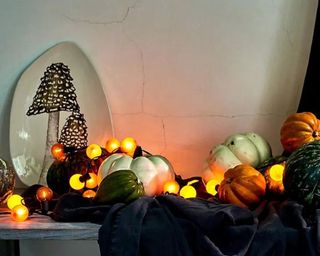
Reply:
x=302, y=175
x=121, y=186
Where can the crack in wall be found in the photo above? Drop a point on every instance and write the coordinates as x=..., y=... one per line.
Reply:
x=104, y=23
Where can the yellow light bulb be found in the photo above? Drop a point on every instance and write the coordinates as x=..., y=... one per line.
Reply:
x=112, y=145
x=75, y=182
x=276, y=172
x=171, y=186
x=93, y=181
x=188, y=192
x=93, y=151
x=19, y=213
x=211, y=186
x=128, y=146
x=14, y=200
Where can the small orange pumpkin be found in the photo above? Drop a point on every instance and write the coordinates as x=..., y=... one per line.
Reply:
x=299, y=129
x=243, y=185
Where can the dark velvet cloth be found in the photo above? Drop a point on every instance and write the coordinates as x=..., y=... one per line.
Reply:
x=170, y=225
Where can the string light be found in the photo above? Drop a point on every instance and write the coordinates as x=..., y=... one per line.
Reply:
x=112, y=145
x=14, y=200
x=92, y=182
x=89, y=193
x=93, y=151
x=276, y=172
x=44, y=194
x=188, y=191
x=19, y=213
x=75, y=182
x=211, y=186
x=128, y=146
x=57, y=151
x=171, y=186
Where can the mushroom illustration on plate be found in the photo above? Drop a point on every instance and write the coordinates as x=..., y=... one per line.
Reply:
x=55, y=93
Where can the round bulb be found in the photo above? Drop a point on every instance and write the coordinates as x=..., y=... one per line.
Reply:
x=14, y=200
x=57, y=150
x=276, y=172
x=188, y=192
x=89, y=193
x=171, y=186
x=19, y=213
x=211, y=187
x=112, y=145
x=44, y=194
x=128, y=145
x=93, y=151
x=93, y=181
x=75, y=182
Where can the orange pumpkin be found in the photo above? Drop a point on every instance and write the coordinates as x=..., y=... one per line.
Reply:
x=299, y=129
x=243, y=185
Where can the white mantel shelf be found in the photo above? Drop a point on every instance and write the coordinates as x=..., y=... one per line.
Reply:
x=43, y=227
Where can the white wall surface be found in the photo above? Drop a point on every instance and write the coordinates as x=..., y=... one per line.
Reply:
x=180, y=75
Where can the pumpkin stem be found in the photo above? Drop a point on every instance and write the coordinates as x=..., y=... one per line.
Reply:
x=315, y=134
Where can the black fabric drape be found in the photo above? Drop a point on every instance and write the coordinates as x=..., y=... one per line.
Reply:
x=309, y=100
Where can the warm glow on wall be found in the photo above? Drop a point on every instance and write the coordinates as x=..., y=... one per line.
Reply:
x=171, y=186
x=128, y=146
x=211, y=186
x=19, y=213
x=93, y=151
x=75, y=182
x=112, y=145
x=14, y=200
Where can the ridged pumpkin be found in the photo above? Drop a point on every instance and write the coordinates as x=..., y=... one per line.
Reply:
x=119, y=187
x=152, y=170
x=243, y=185
x=302, y=175
x=241, y=148
x=299, y=129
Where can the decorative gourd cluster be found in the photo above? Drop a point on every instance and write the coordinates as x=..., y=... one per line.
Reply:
x=240, y=171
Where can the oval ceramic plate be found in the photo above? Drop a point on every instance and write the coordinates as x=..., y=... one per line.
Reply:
x=28, y=134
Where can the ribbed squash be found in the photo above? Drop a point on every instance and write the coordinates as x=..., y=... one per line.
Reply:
x=243, y=185
x=122, y=186
x=241, y=148
x=302, y=175
x=299, y=129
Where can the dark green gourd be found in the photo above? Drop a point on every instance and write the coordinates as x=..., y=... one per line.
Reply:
x=302, y=175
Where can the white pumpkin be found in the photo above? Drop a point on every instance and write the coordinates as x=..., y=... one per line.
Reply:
x=241, y=148
x=153, y=171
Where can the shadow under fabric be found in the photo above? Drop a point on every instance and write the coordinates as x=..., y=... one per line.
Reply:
x=170, y=225
x=309, y=101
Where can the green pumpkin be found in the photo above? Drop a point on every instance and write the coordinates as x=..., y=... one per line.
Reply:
x=121, y=186
x=302, y=175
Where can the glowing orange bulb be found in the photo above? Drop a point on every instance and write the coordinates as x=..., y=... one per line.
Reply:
x=44, y=194
x=112, y=145
x=171, y=186
x=19, y=213
x=75, y=182
x=128, y=145
x=93, y=181
x=276, y=172
x=14, y=200
x=211, y=186
x=89, y=193
x=93, y=151
x=57, y=151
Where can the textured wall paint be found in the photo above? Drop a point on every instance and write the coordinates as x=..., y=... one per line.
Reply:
x=180, y=75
